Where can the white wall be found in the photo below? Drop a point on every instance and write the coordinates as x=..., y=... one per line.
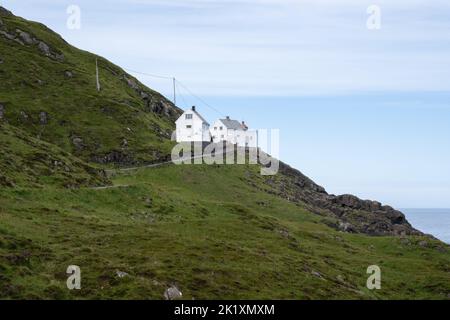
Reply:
x=193, y=129
x=240, y=137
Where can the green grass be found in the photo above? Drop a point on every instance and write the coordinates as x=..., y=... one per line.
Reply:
x=207, y=231
x=217, y=232
x=29, y=162
x=32, y=83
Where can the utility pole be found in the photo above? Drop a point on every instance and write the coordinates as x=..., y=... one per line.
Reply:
x=98, y=81
x=174, y=92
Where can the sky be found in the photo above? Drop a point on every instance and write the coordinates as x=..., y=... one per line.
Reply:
x=360, y=110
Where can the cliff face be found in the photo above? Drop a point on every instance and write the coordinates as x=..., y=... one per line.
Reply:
x=351, y=213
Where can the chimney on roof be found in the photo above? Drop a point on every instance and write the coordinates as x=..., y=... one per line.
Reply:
x=228, y=117
x=193, y=108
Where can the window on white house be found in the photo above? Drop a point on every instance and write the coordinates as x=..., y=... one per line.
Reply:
x=188, y=116
x=215, y=128
x=222, y=136
x=221, y=128
x=188, y=127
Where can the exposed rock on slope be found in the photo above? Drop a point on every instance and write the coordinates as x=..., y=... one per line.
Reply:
x=348, y=213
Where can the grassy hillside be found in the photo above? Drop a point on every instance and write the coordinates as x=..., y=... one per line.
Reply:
x=205, y=230
x=48, y=88
x=26, y=161
x=213, y=231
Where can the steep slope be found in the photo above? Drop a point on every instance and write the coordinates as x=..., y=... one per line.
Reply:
x=48, y=88
x=349, y=213
x=29, y=162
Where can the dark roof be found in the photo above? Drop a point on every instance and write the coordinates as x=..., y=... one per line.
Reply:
x=232, y=124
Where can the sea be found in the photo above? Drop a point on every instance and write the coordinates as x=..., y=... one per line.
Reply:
x=431, y=221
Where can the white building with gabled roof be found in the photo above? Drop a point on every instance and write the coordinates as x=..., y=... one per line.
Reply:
x=192, y=127
x=234, y=132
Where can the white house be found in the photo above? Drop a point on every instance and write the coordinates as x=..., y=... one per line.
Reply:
x=234, y=132
x=192, y=127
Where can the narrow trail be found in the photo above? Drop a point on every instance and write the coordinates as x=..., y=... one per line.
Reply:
x=153, y=165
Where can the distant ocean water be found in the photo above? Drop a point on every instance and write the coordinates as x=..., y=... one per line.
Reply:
x=431, y=221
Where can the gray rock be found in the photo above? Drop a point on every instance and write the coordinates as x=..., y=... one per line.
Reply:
x=284, y=233
x=148, y=202
x=349, y=201
x=68, y=74
x=78, y=143
x=7, y=35
x=173, y=293
x=43, y=118
x=44, y=48
x=345, y=226
x=1, y=61
x=124, y=143
x=317, y=274
x=144, y=95
x=23, y=115
x=2, y=111
x=26, y=38
x=59, y=56
x=19, y=41
x=341, y=279
x=121, y=274
x=423, y=244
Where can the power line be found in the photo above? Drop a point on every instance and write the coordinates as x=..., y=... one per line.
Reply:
x=182, y=98
x=199, y=99
x=175, y=82
x=149, y=74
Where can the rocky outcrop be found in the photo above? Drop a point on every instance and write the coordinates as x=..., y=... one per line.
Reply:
x=349, y=213
x=5, y=12
x=153, y=102
x=26, y=39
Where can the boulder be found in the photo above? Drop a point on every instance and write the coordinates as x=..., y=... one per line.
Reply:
x=43, y=118
x=349, y=201
x=7, y=35
x=121, y=274
x=26, y=38
x=23, y=116
x=44, y=48
x=78, y=143
x=68, y=74
x=173, y=293
x=423, y=244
